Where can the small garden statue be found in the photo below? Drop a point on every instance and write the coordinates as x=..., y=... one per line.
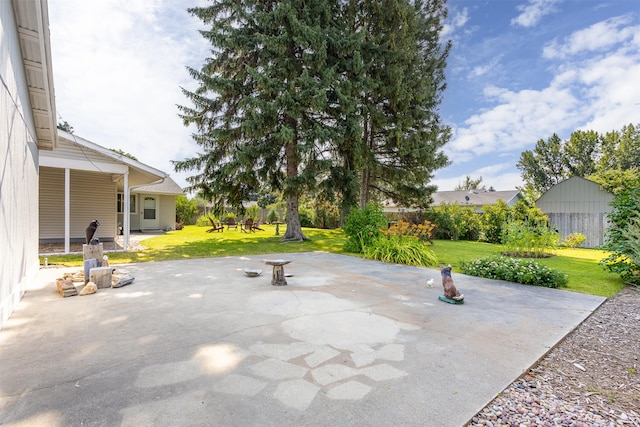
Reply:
x=92, y=233
x=451, y=294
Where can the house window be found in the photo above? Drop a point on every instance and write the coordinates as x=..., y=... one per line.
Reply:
x=132, y=203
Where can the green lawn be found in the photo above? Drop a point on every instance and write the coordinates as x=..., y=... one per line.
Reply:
x=195, y=242
x=585, y=274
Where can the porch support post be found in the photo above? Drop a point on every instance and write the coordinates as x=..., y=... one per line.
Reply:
x=126, y=215
x=67, y=210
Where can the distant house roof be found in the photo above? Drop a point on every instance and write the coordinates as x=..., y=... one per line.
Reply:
x=167, y=186
x=473, y=198
x=476, y=198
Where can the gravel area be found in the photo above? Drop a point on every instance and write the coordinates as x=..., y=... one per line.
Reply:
x=590, y=379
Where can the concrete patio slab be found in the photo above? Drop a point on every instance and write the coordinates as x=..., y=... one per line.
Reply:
x=349, y=342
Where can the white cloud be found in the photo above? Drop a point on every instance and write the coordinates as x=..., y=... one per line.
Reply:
x=600, y=92
x=519, y=119
x=117, y=68
x=613, y=92
x=598, y=37
x=500, y=176
x=533, y=12
x=457, y=19
x=481, y=70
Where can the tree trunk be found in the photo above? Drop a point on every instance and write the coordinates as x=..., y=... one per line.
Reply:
x=364, y=187
x=294, y=229
x=365, y=173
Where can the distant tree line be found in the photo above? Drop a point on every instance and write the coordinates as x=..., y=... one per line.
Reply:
x=611, y=159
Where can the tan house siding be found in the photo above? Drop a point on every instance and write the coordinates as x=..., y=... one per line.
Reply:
x=578, y=205
x=51, y=202
x=68, y=151
x=92, y=196
x=167, y=212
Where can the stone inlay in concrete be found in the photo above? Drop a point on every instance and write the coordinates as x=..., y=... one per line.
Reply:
x=382, y=372
x=275, y=369
x=283, y=351
x=321, y=355
x=239, y=385
x=331, y=373
x=297, y=394
x=353, y=390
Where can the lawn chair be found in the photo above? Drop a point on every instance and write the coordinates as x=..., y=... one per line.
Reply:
x=231, y=223
x=248, y=226
x=256, y=226
x=215, y=226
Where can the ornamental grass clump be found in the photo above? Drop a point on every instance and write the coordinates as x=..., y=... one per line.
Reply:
x=525, y=271
x=403, y=243
x=398, y=250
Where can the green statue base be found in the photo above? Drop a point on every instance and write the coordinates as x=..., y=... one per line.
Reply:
x=450, y=301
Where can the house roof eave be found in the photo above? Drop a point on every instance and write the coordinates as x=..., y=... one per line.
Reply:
x=32, y=19
x=146, y=169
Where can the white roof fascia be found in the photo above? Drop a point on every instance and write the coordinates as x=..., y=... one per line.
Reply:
x=39, y=65
x=112, y=154
x=85, y=165
x=45, y=45
x=513, y=198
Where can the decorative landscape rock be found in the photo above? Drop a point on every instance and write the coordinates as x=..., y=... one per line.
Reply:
x=77, y=276
x=93, y=252
x=89, y=288
x=89, y=264
x=66, y=288
x=121, y=278
x=101, y=276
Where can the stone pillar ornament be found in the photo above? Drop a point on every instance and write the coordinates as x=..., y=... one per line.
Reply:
x=277, y=277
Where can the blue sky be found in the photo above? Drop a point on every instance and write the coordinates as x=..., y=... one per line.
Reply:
x=519, y=71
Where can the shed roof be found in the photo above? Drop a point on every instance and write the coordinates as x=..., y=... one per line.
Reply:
x=575, y=189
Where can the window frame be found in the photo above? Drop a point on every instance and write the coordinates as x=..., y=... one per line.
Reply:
x=133, y=203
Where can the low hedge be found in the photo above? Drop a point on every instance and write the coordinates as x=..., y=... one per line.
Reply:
x=525, y=271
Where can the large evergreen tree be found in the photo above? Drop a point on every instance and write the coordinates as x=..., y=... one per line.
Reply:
x=402, y=85
x=259, y=107
x=318, y=95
